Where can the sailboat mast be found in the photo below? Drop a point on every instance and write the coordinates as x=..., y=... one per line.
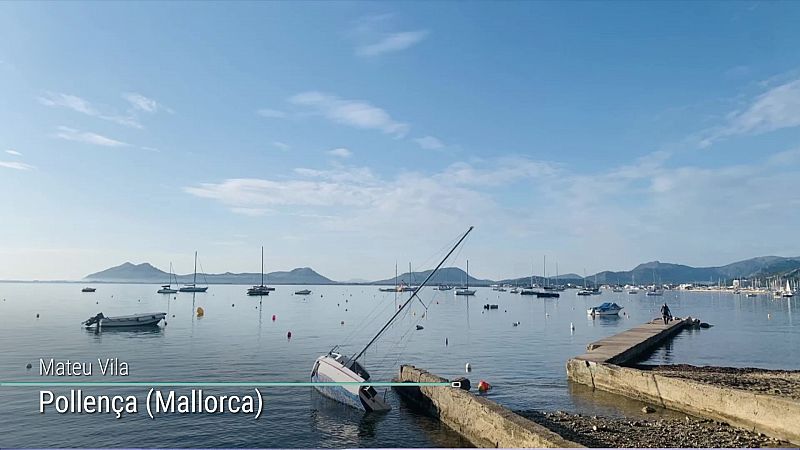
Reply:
x=544, y=271
x=413, y=295
x=262, y=265
x=194, y=278
x=467, y=274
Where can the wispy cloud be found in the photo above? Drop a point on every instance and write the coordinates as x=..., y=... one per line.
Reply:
x=141, y=103
x=71, y=134
x=392, y=42
x=282, y=146
x=272, y=113
x=16, y=165
x=13, y=152
x=429, y=143
x=340, y=152
x=354, y=113
x=777, y=108
x=83, y=106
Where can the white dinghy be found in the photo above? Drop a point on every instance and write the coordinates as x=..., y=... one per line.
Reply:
x=135, y=320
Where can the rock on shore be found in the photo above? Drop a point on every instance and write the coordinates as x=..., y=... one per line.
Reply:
x=594, y=431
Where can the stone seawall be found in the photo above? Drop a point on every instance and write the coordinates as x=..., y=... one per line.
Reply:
x=483, y=422
x=772, y=415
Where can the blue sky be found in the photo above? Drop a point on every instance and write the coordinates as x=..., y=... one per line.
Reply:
x=348, y=136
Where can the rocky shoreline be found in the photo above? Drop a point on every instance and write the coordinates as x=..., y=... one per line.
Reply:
x=595, y=431
x=784, y=383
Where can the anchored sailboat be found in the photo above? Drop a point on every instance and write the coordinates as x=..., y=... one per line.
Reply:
x=167, y=288
x=260, y=289
x=194, y=287
x=466, y=290
x=334, y=369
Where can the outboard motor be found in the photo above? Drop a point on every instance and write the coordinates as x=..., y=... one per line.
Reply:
x=93, y=320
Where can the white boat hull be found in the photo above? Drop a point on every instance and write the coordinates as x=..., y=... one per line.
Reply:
x=465, y=292
x=136, y=320
x=329, y=369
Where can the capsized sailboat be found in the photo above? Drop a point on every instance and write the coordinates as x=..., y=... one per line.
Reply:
x=335, y=368
x=194, y=287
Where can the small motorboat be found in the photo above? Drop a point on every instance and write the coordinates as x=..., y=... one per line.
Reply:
x=584, y=292
x=135, y=320
x=88, y=289
x=465, y=291
x=514, y=291
x=616, y=289
x=490, y=306
x=752, y=294
x=528, y=292
x=444, y=287
x=605, y=309
x=547, y=294
x=302, y=292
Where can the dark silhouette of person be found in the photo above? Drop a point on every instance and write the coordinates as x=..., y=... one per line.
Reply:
x=666, y=313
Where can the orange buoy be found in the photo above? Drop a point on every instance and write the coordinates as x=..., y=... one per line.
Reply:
x=483, y=386
x=289, y=335
x=200, y=311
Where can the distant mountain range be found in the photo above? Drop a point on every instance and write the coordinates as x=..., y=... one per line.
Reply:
x=146, y=273
x=760, y=267
x=646, y=273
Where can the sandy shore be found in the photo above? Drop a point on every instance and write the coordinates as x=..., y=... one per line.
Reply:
x=784, y=383
x=594, y=431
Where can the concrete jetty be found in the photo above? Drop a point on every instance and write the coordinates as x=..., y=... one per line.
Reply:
x=481, y=421
x=602, y=367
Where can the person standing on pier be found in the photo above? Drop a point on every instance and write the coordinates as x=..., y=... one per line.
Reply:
x=666, y=313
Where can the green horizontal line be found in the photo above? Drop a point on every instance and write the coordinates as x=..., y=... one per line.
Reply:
x=207, y=384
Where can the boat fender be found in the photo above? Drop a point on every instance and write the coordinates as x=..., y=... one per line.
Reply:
x=484, y=386
x=200, y=311
x=289, y=335
x=464, y=383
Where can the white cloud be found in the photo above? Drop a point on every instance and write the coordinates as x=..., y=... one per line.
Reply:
x=13, y=152
x=340, y=152
x=282, y=146
x=72, y=102
x=142, y=103
x=355, y=113
x=392, y=42
x=777, y=108
x=83, y=106
x=271, y=113
x=71, y=134
x=429, y=143
x=16, y=165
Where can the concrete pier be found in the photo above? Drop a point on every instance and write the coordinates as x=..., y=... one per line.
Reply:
x=481, y=421
x=601, y=367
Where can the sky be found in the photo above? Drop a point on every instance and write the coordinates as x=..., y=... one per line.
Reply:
x=348, y=136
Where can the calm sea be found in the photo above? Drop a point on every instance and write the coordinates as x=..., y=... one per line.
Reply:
x=238, y=340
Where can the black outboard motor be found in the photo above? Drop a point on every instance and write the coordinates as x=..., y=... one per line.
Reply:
x=93, y=320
